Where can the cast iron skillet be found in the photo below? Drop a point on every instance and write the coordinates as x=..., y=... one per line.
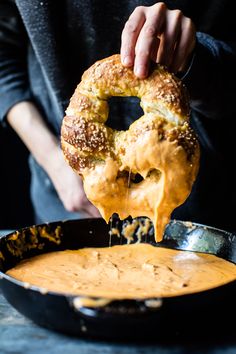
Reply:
x=204, y=312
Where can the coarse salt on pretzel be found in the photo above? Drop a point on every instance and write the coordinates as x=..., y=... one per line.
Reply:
x=159, y=146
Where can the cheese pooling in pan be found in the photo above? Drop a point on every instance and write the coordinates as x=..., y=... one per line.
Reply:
x=125, y=272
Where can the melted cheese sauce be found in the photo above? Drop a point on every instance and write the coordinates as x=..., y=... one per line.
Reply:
x=125, y=271
x=167, y=178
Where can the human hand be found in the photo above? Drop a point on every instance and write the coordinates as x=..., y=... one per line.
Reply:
x=69, y=185
x=158, y=34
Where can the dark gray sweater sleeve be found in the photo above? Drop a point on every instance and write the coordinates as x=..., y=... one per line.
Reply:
x=13, y=58
x=212, y=76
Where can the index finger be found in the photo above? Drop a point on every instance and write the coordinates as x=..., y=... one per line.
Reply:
x=130, y=34
x=148, y=39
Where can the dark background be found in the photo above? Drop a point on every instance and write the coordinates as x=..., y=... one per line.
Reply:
x=15, y=206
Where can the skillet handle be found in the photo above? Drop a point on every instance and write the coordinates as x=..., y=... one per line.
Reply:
x=94, y=307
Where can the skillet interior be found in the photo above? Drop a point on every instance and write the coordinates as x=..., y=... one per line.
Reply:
x=120, y=319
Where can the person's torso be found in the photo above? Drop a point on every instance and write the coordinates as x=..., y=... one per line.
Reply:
x=66, y=37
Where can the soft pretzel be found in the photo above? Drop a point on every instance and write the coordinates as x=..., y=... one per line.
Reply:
x=160, y=146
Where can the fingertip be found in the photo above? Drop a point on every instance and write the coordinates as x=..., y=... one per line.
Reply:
x=127, y=61
x=141, y=71
x=141, y=75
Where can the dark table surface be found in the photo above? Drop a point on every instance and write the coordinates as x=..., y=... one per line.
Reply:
x=19, y=335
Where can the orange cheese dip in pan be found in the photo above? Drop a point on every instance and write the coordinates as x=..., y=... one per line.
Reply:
x=125, y=272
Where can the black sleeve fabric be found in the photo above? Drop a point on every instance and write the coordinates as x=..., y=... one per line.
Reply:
x=13, y=58
x=211, y=77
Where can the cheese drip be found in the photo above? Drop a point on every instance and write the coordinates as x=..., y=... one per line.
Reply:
x=167, y=175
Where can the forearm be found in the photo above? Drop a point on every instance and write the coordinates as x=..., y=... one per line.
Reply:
x=28, y=123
